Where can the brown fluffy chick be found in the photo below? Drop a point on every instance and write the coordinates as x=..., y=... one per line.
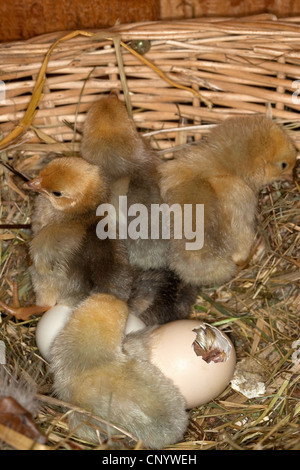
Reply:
x=94, y=370
x=68, y=260
x=111, y=141
x=225, y=173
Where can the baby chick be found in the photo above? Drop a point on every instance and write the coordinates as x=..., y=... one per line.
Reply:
x=93, y=370
x=68, y=258
x=111, y=141
x=225, y=173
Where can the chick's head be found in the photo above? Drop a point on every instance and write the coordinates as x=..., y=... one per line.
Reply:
x=271, y=153
x=257, y=149
x=71, y=184
x=280, y=158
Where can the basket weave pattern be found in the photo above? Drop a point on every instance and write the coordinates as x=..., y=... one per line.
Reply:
x=239, y=66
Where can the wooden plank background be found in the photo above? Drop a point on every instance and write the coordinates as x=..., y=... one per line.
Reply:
x=22, y=19
x=199, y=8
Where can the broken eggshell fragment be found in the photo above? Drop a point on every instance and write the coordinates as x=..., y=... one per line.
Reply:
x=250, y=376
x=198, y=357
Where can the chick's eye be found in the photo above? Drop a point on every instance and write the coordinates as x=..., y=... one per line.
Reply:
x=57, y=193
x=284, y=165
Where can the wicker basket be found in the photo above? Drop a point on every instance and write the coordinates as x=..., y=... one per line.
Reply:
x=196, y=73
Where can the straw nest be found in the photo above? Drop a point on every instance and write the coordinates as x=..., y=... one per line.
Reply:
x=195, y=74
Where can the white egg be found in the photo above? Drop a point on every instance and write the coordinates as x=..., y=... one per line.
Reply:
x=54, y=320
x=49, y=325
x=197, y=357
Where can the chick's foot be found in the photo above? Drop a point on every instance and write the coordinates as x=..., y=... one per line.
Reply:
x=24, y=313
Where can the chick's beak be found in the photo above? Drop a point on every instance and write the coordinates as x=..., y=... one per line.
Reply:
x=35, y=184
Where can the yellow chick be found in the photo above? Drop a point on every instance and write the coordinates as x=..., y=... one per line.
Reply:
x=95, y=370
x=224, y=173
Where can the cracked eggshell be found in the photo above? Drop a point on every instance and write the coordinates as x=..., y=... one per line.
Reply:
x=197, y=357
x=250, y=376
